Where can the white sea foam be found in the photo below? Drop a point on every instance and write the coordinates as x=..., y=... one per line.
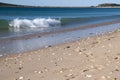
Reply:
x=35, y=23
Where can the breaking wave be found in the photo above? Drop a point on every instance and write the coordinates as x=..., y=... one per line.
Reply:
x=35, y=23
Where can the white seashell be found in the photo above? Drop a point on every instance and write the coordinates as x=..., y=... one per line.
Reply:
x=53, y=53
x=21, y=77
x=61, y=71
x=89, y=76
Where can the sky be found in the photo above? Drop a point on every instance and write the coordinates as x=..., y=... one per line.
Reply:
x=60, y=2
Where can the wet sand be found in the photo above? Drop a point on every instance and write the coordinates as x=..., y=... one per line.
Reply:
x=93, y=58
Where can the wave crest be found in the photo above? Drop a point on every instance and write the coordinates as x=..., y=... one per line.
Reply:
x=35, y=23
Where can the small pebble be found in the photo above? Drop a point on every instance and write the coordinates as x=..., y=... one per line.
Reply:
x=69, y=54
x=115, y=79
x=68, y=46
x=38, y=58
x=103, y=46
x=101, y=78
x=61, y=71
x=89, y=76
x=91, y=33
x=77, y=50
x=83, y=49
x=49, y=46
x=70, y=70
x=108, y=77
x=99, y=67
x=53, y=53
x=116, y=58
x=20, y=68
x=39, y=36
x=35, y=71
x=109, y=39
x=116, y=70
x=21, y=77
x=85, y=70
x=39, y=72
x=69, y=74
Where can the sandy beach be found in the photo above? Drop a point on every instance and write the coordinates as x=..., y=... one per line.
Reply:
x=92, y=58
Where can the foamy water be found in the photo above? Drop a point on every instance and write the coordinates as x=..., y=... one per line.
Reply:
x=35, y=23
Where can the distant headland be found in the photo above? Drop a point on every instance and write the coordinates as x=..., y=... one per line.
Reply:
x=109, y=5
x=104, y=5
x=13, y=5
x=28, y=6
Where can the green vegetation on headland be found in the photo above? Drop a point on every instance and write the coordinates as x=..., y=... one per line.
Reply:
x=28, y=6
x=13, y=5
x=105, y=5
x=109, y=5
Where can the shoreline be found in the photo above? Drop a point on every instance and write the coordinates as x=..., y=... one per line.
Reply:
x=106, y=34
x=65, y=43
x=92, y=58
x=36, y=41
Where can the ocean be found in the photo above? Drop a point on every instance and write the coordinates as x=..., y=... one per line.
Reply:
x=17, y=22
x=22, y=21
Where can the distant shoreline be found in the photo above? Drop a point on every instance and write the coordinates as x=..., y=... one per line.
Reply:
x=51, y=7
x=28, y=6
x=45, y=7
x=105, y=5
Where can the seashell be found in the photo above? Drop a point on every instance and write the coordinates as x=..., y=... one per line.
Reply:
x=88, y=76
x=21, y=77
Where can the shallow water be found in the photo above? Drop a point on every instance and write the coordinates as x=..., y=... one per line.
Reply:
x=19, y=46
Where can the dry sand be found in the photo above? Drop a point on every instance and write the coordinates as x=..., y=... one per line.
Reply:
x=94, y=58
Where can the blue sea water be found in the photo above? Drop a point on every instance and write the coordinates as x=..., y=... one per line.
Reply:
x=17, y=22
